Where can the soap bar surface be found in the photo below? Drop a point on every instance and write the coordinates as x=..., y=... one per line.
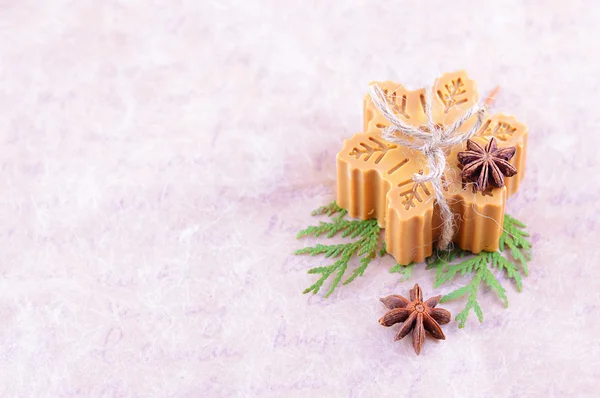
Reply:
x=375, y=177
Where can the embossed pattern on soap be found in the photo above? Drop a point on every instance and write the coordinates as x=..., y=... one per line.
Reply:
x=385, y=190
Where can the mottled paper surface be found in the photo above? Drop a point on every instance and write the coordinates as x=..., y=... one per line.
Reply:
x=158, y=158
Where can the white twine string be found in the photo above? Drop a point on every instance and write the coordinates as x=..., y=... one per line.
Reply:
x=431, y=144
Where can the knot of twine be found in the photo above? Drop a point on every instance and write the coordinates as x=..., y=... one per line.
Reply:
x=430, y=140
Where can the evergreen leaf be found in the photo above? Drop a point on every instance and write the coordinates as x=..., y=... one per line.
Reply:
x=321, y=270
x=456, y=294
x=478, y=311
x=405, y=271
x=461, y=318
x=359, y=271
x=327, y=250
x=396, y=268
x=501, y=243
x=514, y=221
x=365, y=240
x=450, y=271
x=515, y=248
x=325, y=272
x=490, y=280
x=511, y=269
x=337, y=279
x=516, y=239
x=329, y=209
x=383, y=249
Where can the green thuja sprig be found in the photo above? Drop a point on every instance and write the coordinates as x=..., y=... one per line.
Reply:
x=366, y=245
x=330, y=210
x=514, y=242
x=511, y=259
x=405, y=271
x=517, y=241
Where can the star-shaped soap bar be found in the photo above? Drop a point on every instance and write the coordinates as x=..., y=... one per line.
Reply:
x=375, y=177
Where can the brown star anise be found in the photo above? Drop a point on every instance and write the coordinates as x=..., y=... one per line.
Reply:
x=417, y=315
x=486, y=166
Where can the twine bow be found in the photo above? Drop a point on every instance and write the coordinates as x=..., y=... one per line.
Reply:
x=431, y=142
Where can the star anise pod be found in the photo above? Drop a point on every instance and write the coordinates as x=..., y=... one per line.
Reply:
x=417, y=316
x=486, y=166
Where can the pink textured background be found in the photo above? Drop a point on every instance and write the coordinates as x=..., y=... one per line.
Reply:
x=158, y=158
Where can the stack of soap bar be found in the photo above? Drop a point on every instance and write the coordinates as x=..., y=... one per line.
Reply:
x=375, y=176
